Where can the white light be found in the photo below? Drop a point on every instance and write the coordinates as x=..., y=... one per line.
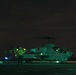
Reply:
x=17, y=49
x=6, y=58
x=57, y=61
x=41, y=53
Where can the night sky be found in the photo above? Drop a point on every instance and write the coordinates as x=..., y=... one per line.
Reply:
x=24, y=22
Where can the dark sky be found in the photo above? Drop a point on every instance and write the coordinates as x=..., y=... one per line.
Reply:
x=23, y=22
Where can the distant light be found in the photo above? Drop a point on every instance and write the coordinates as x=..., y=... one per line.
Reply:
x=6, y=58
x=15, y=55
x=24, y=48
x=58, y=49
x=17, y=49
x=57, y=61
x=41, y=53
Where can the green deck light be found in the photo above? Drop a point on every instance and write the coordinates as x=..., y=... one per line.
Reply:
x=24, y=48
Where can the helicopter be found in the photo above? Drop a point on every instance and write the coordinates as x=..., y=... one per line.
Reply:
x=49, y=51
